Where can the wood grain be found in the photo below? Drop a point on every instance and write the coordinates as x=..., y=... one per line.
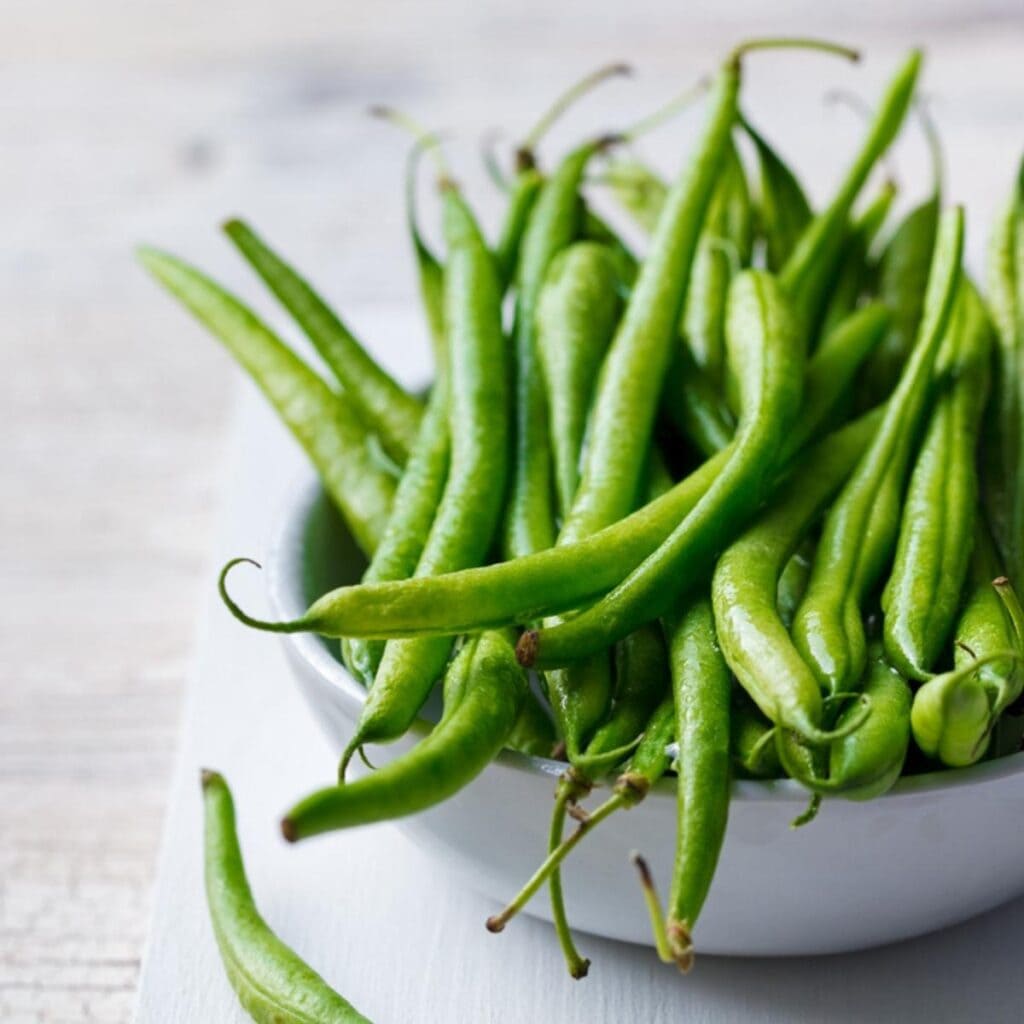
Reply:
x=124, y=121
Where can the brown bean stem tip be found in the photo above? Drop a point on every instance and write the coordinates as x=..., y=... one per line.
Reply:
x=288, y=830
x=207, y=777
x=495, y=924
x=526, y=648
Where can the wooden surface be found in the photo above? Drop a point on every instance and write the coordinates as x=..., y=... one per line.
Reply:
x=124, y=120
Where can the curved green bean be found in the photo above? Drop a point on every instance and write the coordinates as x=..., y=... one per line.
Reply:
x=273, y=985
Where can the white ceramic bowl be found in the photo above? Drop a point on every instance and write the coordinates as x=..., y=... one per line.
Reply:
x=936, y=850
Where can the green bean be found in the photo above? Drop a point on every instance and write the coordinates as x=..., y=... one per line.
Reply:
x=783, y=209
x=902, y=280
x=1004, y=451
x=576, y=315
x=727, y=226
x=860, y=529
x=793, y=581
x=810, y=266
x=694, y=405
x=533, y=732
x=391, y=412
x=641, y=681
x=467, y=516
x=937, y=527
x=763, y=347
x=554, y=223
x=751, y=739
x=744, y=588
x=422, y=482
x=955, y=713
x=523, y=197
x=866, y=760
x=702, y=687
x=855, y=268
x=473, y=731
x=273, y=985
x=329, y=431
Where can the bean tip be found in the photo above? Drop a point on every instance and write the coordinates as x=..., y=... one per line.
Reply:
x=526, y=648
x=495, y=924
x=579, y=968
x=208, y=777
x=289, y=831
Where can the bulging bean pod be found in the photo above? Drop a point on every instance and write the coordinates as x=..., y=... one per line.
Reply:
x=272, y=983
x=322, y=421
x=744, y=589
x=1004, y=449
x=861, y=528
x=475, y=727
x=937, y=527
x=765, y=350
x=866, y=761
x=390, y=411
x=577, y=311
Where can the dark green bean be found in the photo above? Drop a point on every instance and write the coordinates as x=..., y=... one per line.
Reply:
x=751, y=739
x=1004, y=450
x=476, y=725
x=329, y=431
x=273, y=985
x=694, y=405
x=861, y=528
x=391, y=412
x=937, y=527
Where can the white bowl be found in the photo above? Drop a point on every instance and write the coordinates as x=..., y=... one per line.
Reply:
x=937, y=849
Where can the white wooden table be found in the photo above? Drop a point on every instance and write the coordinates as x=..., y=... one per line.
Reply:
x=124, y=120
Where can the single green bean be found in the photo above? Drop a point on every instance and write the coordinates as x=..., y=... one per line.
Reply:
x=576, y=315
x=702, y=688
x=473, y=731
x=937, y=527
x=390, y=411
x=324, y=424
x=1004, y=450
x=751, y=739
x=526, y=187
x=861, y=528
x=273, y=985
x=467, y=516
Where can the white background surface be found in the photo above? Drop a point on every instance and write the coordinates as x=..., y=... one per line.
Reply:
x=399, y=936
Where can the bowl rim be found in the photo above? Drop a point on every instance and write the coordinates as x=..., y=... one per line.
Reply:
x=284, y=587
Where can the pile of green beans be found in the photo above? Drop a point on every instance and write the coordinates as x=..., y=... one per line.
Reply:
x=747, y=501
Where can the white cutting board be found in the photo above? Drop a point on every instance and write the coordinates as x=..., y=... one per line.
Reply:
x=396, y=933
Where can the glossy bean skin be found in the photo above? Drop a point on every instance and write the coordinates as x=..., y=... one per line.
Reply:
x=954, y=713
x=866, y=762
x=744, y=588
x=937, y=527
x=702, y=687
x=764, y=347
x=576, y=316
x=811, y=264
x=728, y=224
x=475, y=727
x=467, y=517
x=322, y=421
x=783, y=210
x=272, y=983
x=390, y=411
x=861, y=528
x=1004, y=451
